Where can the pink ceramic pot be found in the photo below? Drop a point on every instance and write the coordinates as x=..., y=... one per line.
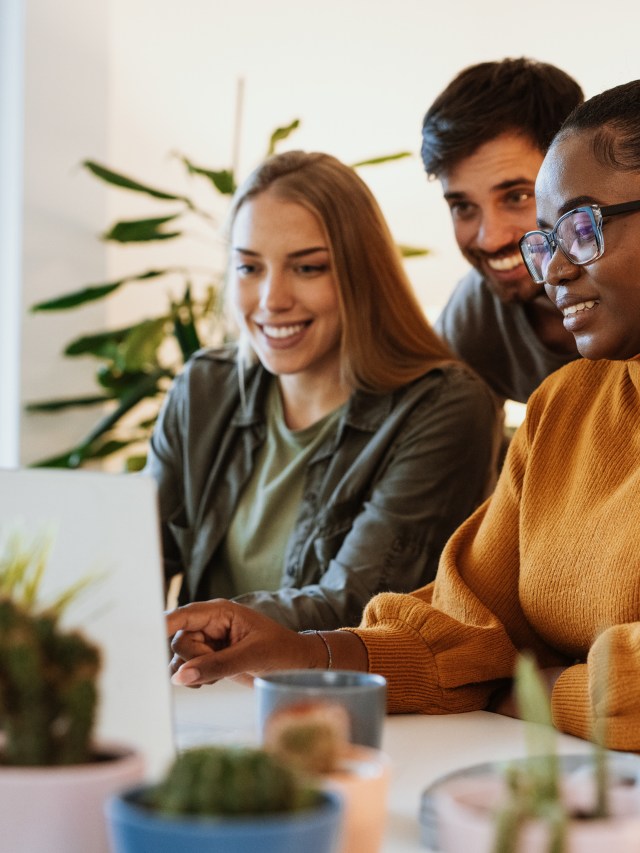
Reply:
x=61, y=809
x=465, y=808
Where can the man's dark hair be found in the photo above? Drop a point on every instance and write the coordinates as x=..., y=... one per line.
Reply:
x=486, y=100
x=614, y=118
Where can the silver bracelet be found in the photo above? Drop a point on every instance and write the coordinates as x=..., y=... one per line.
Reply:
x=327, y=646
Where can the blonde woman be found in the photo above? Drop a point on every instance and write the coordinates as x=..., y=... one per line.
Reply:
x=330, y=454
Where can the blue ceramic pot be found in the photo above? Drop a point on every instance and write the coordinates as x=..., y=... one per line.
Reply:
x=135, y=828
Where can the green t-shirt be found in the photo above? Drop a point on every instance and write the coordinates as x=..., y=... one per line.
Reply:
x=252, y=554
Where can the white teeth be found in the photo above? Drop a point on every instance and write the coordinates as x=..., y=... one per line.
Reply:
x=581, y=306
x=503, y=264
x=283, y=331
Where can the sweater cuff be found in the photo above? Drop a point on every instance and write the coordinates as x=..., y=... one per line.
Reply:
x=411, y=686
x=571, y=703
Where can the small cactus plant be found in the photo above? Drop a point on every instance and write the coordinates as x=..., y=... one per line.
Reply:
x=309, y=736
x=48, y=676
x=534, y=790
x=228, y=781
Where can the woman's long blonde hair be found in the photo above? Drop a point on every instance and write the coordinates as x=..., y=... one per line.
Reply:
x=386, y=339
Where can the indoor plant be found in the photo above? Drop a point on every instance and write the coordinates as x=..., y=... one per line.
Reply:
x=53, y=778
x=538, y=805
x=228, y=799
x=314, y=737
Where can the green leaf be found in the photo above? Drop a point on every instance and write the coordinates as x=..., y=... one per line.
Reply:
x=147, y=386
x=107, y=448
x=112, y=377
x=100, y=344
x=135, y=462
x=119, y=180
x=76, y=456
x=147, y=424
x=280, y=134
x=184, y=326
x=79, y=297
x=68, y=403
x=22, y=566
x=412, y=251
x=222, y=179
x=534, y=707
x=69, y=595
x=385, y=158
x=70, y=459
x=92, y=292
x=141, y=230
x=139, y=350
x=531, y=693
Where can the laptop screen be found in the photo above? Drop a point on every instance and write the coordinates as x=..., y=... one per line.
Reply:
x=106, y=525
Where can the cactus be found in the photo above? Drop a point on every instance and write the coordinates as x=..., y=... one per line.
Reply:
x=309, y=736
x=228, y=781
x=533, y=791
x=48, y=676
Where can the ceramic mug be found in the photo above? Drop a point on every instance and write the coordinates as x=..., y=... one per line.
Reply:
x=362, y=694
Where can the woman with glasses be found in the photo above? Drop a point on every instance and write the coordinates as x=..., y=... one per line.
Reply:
x=330, y=455
x=550, y=563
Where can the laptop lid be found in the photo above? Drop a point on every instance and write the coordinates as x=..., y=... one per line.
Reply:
x=106, y=525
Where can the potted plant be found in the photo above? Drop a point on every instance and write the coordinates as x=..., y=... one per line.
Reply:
x=314, y=737
x=227, y=799
x=53, y=777
x=544, y=803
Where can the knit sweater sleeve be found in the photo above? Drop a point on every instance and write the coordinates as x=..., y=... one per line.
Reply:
x=446, y=647
x=602, y=696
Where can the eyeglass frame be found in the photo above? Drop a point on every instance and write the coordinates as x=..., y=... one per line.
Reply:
x=597, y=214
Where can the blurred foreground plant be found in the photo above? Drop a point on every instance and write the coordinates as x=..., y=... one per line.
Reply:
x=48, y=676
x=534, y=788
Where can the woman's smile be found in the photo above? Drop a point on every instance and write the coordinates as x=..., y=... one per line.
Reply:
x=284, y=288
x=279, y=336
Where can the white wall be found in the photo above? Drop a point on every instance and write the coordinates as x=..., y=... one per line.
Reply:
x=11, y=118
x=66, y=117
x=358, y=73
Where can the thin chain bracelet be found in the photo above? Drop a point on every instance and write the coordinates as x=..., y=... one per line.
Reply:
x=327, y=646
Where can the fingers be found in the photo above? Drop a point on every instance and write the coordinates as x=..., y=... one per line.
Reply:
x=187, y=645
x=246, y=657
x=213, y=665
x=220, y=639
x=210, y=617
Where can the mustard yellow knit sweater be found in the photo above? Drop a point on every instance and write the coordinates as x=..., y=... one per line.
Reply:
x=550, y=563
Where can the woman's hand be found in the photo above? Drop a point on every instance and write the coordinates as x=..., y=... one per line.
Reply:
x=220, y=639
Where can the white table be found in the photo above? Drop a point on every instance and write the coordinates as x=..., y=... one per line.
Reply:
x=421, y=748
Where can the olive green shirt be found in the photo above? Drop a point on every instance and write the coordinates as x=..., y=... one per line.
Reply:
x=253, y=550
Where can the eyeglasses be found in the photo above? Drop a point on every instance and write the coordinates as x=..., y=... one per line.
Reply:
x=578, y=235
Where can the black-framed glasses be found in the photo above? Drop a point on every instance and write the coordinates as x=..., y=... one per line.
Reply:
x=578, y=235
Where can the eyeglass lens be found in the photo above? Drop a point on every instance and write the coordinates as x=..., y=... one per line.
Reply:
x=576, y=234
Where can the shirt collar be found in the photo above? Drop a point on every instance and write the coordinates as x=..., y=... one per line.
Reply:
x=364, y=411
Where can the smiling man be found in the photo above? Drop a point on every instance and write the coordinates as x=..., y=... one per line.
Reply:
x=484, y=138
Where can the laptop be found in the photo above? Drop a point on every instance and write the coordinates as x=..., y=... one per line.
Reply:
x=106, y=525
